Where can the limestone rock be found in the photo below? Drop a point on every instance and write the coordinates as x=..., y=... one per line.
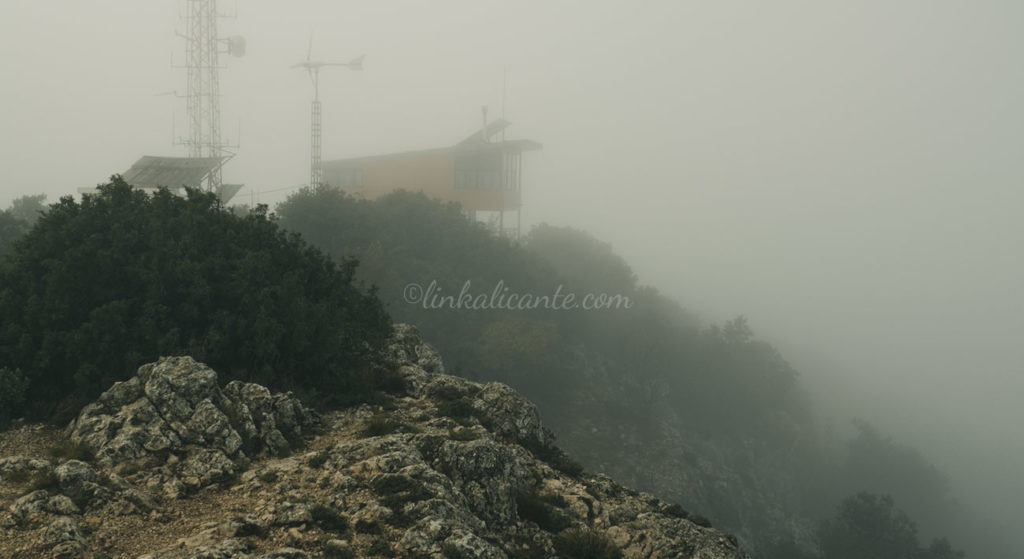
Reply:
x=227, y=549
x=173, y=413
x=11, y=466
x=64, y=538
x=37, y=506
x=407, y=348
x=449, y=468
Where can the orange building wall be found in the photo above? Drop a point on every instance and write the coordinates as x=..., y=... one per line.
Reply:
x=434, y=175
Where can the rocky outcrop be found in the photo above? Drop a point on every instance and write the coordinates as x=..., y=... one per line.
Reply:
x=443, y=468
x=173, y=414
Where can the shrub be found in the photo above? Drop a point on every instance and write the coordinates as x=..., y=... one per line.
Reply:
x=17, y=476
x=555, y=500
x=535, y=508
x=72, y=451
x=456, y=409
x=13, y=385
x=700, y=520
x=364, y=526
x=586, y=544
x=329, y=519
x=43, y=479
x=676, y=511
x=96, y=289
x=318, y=459
x=526, y=549
x=385, y=379
x=554, y=457
x=268, y=476
x=332, y=550
x=445, y=392
x=242, y=464
x=452, y=551
x=463, y=435
x=397, y=489
x=383, y=424
x=380, y=546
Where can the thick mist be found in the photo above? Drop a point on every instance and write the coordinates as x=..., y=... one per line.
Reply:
x=846, y=175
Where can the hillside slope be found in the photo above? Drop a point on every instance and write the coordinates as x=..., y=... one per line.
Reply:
x=443, y=467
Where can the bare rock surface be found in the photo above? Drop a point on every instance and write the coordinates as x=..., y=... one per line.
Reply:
x=444, y=468
x=173, y=414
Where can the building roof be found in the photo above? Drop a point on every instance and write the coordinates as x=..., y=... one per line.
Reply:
x=474, y=142
x=152, y=171
x=484, y=135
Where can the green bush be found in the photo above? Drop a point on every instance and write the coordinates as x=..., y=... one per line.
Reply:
x=537, y=508
x=364, y=526
x=700, y=520
x=386, y=379
x=69, y=450
x=329, y=519
x=43, y=479
x=676, y=511
x=586, y=544
x=380, y=424
x=464, y=434
x=553, y=456
x=333, y=551
x=381, y=547
x=452, y=551
x=396, y=490
x=97, y=288
x=13, y=385
x=460, y=408
x=268, y=476
x=318, y=459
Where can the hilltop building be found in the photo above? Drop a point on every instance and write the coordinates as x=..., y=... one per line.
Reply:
x=482, y=173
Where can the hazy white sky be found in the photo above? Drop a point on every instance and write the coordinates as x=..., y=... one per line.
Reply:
x=846, y=174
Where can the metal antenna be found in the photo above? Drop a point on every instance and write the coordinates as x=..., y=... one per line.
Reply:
x=202, y=97
x=316, y=171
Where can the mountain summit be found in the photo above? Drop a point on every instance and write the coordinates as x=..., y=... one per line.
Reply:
x=169, y=465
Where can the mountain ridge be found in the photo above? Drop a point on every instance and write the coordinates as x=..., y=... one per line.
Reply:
x=443, y=467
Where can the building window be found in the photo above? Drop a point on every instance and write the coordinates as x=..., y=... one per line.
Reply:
x=479, y=171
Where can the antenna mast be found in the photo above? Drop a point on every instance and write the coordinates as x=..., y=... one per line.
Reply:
x=316, y=170
x=202, y=97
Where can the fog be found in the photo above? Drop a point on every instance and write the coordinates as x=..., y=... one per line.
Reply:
x=846, y=175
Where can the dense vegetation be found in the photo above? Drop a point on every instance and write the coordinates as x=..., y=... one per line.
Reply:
x=97, y=288
x=18, y=219
x=614, y=379
x=724, y=380
x=866, y=526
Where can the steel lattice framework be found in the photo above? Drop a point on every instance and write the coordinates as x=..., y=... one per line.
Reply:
x=316, y=170
x=203, y=87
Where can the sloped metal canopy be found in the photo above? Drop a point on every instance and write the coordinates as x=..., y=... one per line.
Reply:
x=228, y=191
x=152, y=171
x=482, y=136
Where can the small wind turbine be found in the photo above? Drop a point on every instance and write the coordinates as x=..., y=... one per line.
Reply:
x=316, y=172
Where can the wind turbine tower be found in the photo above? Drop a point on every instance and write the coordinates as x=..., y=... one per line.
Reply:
x=316, y=171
